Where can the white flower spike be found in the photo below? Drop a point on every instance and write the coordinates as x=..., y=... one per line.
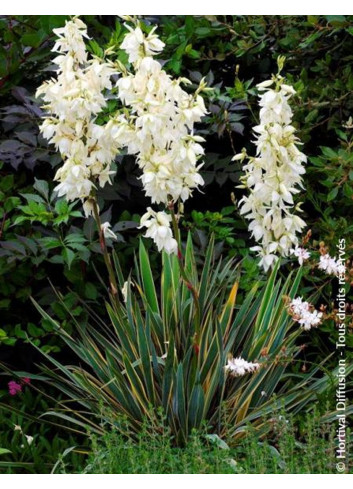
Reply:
x=156, y=124
x=167, y=150
x=73, y=100
x=273, y=176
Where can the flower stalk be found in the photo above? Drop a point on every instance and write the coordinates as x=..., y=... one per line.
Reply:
x=184, y=275
x=106, y=256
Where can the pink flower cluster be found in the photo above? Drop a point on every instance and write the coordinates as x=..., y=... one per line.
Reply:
x=15, y=387
x=305, y=314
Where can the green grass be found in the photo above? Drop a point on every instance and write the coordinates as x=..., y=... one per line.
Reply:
x=303, y=444
x=306, y=447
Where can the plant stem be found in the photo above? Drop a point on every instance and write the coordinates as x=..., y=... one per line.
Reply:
x=184, y=275
x=103, y=245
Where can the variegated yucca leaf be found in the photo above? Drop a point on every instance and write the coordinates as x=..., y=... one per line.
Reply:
x=152, y=352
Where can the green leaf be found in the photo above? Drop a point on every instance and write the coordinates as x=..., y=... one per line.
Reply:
x=42, y=187
x=34, y=330
x=6, y=183
x=33, y=198
x=49, y=243
x=267, y=298
x=216, y=440
x=3, y=334
x=175, y=65
x=336, y=20
x=332, y=194
x=33, y=39
x=147, y=279
x=62, y=207
x=68, y=256
x=91, y=291
x=329, y=152
x=20, y=220
x=310, y=39
x=5, y=303
x=179, y=399
x=19, y=332
x=3, y=451
x=196, y=405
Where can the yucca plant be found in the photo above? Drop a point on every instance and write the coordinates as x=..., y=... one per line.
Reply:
x=156, y=352
x=166, y=346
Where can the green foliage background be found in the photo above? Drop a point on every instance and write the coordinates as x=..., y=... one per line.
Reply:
x=41, y=236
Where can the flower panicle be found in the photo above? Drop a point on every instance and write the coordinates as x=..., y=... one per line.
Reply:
x=274, y=176
x=168, y=151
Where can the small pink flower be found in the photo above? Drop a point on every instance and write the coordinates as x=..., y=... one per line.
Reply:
x=14, y=388
x=26, y=380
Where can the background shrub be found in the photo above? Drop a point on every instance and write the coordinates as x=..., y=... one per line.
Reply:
x=41, y=236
